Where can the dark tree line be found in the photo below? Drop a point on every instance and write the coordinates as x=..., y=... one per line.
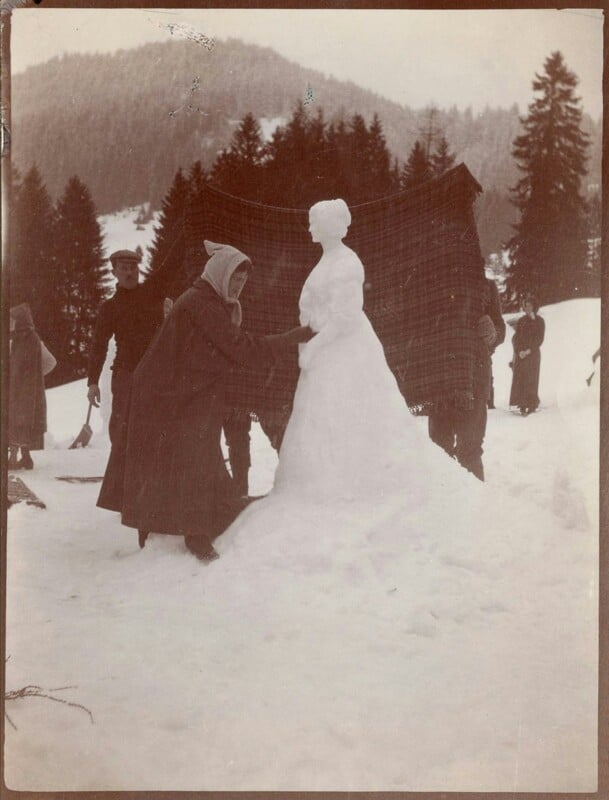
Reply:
x=310, y=159
x=554, y=242
x=56, y=264
x=306, y=160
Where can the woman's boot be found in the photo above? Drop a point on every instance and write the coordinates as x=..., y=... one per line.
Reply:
x=201, y=547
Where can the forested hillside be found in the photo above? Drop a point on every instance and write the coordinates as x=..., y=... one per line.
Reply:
x=124, y=123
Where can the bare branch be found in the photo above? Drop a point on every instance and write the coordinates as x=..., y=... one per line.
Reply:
x=38, y=691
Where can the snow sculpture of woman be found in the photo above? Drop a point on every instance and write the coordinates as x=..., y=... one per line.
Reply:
x=351, y=441
x=350, y=426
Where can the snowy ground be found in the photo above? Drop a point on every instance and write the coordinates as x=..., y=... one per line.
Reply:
x=120, y=231
x=451, y=648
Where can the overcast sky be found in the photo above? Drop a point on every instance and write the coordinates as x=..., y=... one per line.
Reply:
x=462, y=58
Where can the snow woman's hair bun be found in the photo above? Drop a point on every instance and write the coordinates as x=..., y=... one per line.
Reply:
x=335, y=215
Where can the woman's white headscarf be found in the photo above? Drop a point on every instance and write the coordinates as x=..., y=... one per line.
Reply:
x=223, y=261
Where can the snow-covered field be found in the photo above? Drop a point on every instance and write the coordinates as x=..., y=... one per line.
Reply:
x=120, y=231
x=447, y=648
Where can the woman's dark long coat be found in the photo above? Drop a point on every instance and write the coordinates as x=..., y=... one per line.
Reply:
x=175, y=478
x=27, y=410
x=525, y=380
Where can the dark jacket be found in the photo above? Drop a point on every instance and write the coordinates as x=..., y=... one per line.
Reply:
x=529, y=335
x=132, y=316
x=175, y=477
x=27, y=412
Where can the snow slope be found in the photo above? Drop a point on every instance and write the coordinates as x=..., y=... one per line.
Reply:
x=454, y=648
x=120, y=231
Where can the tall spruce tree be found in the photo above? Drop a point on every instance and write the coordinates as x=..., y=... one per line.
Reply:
x=288, y=151
x=33, y=267
x=357, y=159
x=441, y=159
x=169, y=246
x=417, y=169
x=549, y=248
x=237, y=169
x=379, y=161
x=319, y=161
x=81, y=270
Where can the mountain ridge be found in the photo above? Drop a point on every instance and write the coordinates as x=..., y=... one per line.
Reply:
x=124, y=122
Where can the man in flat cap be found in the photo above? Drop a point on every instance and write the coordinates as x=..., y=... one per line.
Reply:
x=132, y=315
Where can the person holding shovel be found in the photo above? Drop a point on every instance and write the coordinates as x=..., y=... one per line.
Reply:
x=132, y=315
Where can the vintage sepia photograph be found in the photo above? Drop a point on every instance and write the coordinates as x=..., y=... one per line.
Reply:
x=301, y=399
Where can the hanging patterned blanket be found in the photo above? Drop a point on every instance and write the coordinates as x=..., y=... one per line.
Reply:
x=424, y=290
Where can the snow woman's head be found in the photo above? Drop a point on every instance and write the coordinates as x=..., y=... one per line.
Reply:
x=329, y=220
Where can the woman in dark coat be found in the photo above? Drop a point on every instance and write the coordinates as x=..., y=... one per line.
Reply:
x=175, y=479
x=527, y=340
x=27, y=411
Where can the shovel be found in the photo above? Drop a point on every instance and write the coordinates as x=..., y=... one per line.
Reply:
x=84, y=437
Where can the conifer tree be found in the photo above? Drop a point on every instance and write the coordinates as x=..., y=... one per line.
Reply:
x=197, y=179
x=287, y=152
x=429, y=131
x=549, y=248
x=417, y=169
x=81, y=270
x=33, y=267
x=442, y=159
x=379, y=161
x=237, y=169
x=334, y=158
x=168, y=248
x=319, y=163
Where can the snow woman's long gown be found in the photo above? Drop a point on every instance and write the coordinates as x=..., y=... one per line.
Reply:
x=351, y=436
x=350, y=433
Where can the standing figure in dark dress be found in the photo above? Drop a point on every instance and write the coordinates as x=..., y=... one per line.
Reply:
x=174, y=479
x=27, y=410
x=527, y=340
